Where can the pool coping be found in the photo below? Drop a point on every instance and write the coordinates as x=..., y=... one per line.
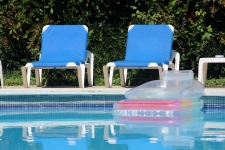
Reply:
x=64, y=90
x=211, y=91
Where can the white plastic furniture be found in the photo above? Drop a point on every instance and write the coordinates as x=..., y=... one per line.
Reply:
x=89, y=65
x=203, y=65
x=1, y=74
x=148, y=47
x=62, y=47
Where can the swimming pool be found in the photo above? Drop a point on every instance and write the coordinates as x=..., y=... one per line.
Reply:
x=56, y=122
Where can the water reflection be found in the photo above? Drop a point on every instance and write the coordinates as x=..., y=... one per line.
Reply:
x=99, y=130
x=177, y=130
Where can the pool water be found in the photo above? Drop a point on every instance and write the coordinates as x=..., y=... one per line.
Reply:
x=95, y=128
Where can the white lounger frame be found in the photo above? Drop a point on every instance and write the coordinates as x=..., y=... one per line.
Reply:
x=1, y=74
x=108, y=77
x=26, y=71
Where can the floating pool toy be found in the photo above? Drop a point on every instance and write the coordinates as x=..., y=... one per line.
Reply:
x=177, y=75
x=167, y=89
x=170, y=101
x=178, y=84
x=158, y=105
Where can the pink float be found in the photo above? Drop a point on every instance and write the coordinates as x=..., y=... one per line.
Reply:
x=159, y=104
x=173, y=100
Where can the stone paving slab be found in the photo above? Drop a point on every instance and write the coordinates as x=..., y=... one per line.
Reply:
x=217, y=91
x=63, y=90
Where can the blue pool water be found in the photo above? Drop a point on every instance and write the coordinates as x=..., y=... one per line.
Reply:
x=62, y=124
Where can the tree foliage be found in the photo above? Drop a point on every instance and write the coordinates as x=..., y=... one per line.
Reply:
x=199, y=29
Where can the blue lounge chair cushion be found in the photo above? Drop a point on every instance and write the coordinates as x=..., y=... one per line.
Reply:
x=126, y=63
x=147, y=44
x=62, y=44
x=46, y=64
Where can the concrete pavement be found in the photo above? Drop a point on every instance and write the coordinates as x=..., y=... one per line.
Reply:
x=212, y=91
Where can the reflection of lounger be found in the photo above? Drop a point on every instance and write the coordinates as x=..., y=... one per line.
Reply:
x=61, y=137
x=181, y=141
x=62, y=143
x=58, y=132
x=195, y=128
x=161, y=134
x=142, y=144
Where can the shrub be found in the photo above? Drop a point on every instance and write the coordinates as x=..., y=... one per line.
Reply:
x=199, y=31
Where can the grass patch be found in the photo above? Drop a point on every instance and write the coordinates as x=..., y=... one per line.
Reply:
x=14, y=78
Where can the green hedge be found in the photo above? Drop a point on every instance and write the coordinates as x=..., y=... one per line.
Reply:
x=199, y=32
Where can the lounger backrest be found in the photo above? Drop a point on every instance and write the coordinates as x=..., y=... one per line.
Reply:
x=64, y=43
x=149, y=41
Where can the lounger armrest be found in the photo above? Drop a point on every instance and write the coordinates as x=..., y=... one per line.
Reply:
x=176, y=56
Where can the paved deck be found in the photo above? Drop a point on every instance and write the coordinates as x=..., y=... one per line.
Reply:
x=217, y=91
x=63, y=90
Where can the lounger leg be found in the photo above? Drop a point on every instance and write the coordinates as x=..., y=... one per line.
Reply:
x=90, y=68
x=37, y=76
x=90, y=75
x=2, y=81
x=24, y=75
x=160, y=73
x=92, y=131
x=200, y=70
x=111, y=76
x=79, y=136
x=40, y=74
x=1, y=75
x=28, y=76
x=177, y=61
x=80, y=70
x=204, y=74
x=171, y=66
x=106, y=76
x=106, y=132
x=123, y=77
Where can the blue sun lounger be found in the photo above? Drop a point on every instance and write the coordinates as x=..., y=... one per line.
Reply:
x=148, y=47
x=62, y=47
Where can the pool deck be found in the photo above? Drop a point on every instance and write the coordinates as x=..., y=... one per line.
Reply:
x=212, y=91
